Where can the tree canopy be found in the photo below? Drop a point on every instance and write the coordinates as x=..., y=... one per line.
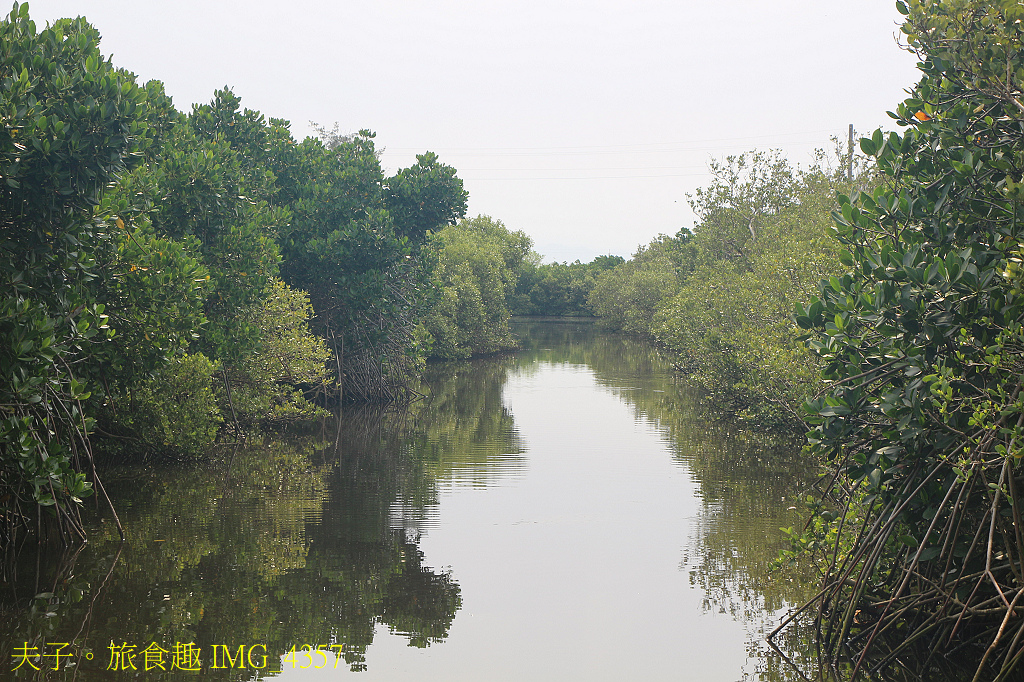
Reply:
x=478, y=263
x=923, y=350
x=165, y=276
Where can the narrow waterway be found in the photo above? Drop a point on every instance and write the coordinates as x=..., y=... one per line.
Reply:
x=561, y=513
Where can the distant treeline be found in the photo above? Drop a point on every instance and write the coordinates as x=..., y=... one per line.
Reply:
x=559, y=289
x=720, y=297
x=878, y=307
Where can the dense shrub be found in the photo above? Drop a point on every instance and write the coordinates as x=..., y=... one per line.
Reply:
x=922, y=345
x=730, y=324
x=627, y=296
x=720, y=298
x=271, y=383
x=175, y=411
x=478, y=262
x=559, y=289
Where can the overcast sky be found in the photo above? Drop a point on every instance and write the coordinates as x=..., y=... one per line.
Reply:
x=584, y=124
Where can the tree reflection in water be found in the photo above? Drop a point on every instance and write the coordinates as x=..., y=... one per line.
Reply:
x=314, y=538
x=749, y=482
x=300, y=539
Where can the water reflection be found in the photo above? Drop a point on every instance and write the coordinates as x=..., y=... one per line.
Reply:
x=308, y=539
x=747, y=483
x=564, y=529
x=239, y=556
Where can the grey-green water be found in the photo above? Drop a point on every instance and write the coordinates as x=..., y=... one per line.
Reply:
x=562, y=513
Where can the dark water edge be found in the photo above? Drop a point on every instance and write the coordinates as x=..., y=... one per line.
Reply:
x=564, y=512
x=557, y=319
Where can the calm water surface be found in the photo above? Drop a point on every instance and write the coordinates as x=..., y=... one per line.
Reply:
x=557, y=514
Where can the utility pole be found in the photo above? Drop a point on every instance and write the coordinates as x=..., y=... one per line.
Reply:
x=849, y=161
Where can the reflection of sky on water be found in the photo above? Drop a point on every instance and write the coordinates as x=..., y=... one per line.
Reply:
x=557, y=515
x=570, y=567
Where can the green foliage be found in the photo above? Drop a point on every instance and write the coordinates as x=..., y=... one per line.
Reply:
x=175, y=411
x=265, y=385
x=121, y=214
x=765, y=245
x=71, y=123
x=425, y=197
x=720, y=297
x=154, y=290
x=748, y=191
x=627, y=296
x=922, y=346
x=478, y=261
x=362, y=265
x=203, y=197
x=559, y=289
x=261, y=148
x=341, y=241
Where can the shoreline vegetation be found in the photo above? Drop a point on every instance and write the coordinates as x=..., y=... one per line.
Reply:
x=173, y=280
x=880, y=311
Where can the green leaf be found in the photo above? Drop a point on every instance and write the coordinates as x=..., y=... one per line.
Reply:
x=875, y=478
x=908, y=540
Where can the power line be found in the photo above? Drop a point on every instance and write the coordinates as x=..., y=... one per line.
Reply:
x=463, y=169
x=641, y=147
x=596, y=177
x=583, y=173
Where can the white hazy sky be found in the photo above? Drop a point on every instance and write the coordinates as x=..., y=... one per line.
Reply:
x=585, y=124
